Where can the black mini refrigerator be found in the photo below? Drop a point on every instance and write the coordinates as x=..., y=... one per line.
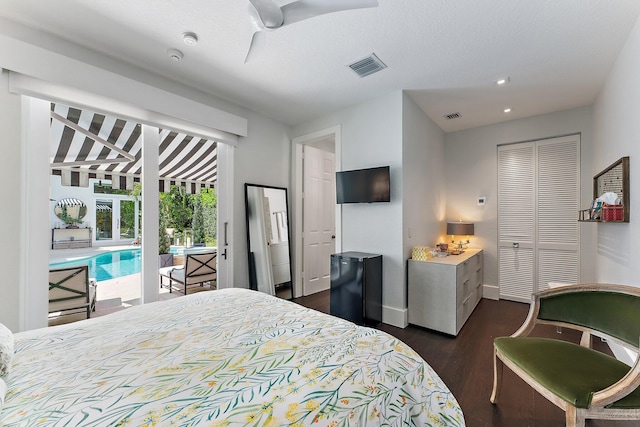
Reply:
x=356, y=287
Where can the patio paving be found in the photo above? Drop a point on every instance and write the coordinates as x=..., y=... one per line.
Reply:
x=120, y=293
x=114, y=294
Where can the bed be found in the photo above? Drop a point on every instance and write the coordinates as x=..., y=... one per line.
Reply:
x=225, y=357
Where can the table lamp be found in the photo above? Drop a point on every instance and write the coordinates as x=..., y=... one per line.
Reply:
x=460, y=229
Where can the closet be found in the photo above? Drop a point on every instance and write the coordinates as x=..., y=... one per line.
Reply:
x=538, y=199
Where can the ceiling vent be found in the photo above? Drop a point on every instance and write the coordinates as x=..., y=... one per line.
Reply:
x=367, y=66
x=452, y=116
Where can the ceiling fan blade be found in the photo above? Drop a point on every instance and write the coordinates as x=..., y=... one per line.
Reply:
x=258, y=41
x=268, y=13
x=305, y=9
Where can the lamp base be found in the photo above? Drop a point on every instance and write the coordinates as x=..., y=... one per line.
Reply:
x=460, y=247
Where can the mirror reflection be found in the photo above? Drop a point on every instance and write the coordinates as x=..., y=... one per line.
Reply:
x=71, y=211
x=268, y=240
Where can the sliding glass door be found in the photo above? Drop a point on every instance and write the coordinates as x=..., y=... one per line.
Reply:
x=127, y=219
x=104, y=219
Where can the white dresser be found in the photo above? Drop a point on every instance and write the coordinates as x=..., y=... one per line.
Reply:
x=443, y=292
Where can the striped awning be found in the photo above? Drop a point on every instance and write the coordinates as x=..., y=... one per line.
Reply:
x=103, y=208
x=69, y=202
x=100, y=145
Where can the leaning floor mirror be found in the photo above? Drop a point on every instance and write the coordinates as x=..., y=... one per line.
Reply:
x=268, y=240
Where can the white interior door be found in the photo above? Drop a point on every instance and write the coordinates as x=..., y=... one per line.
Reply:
x=318, y=219
x=538, y=201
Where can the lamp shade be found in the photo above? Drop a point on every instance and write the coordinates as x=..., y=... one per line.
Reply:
x=460, y=229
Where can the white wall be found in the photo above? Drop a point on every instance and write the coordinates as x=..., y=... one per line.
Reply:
x=85, y=194
x=263, y=157
x=372, y=136
x=10, y=174
x=617, y=134
x=471, y=159
x=424, y=178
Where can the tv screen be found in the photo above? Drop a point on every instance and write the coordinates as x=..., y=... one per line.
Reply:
x=363, y=185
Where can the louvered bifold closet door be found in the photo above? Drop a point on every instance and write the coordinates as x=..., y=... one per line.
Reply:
x=558, y=204
x=538, y=201
x=516, y=220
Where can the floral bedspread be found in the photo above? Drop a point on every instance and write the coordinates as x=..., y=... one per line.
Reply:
x=230, y=357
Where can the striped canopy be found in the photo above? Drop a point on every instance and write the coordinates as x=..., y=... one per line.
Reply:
x=103, y=208
x=100, y=146
x=69, y=202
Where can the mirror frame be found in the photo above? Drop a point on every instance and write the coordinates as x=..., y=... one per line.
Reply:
x=252, y=279
x=60, y=210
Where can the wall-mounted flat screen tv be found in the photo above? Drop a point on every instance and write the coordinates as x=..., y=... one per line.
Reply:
x=363, y=185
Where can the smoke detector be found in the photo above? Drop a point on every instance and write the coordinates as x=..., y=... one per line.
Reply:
x=190, y=39
x=175, y=54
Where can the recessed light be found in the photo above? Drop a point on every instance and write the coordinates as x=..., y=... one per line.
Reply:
x=190, y=39
x=503, y=81
x=175, y=54
x=507, y=110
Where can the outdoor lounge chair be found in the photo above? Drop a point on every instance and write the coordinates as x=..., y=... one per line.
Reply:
x=198, y=268
x=583, y=382
x=71, y=290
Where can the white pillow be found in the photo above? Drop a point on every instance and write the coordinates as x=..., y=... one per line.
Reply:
x=6, y=349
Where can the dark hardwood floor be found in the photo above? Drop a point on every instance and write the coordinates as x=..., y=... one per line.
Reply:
x=465, y=363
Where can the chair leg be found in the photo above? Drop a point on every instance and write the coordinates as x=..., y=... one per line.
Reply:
x=498, y=368
x=575, y=417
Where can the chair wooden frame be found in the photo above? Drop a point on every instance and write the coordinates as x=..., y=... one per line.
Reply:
x=198, y=268
x=575, y=417
x=70, y=290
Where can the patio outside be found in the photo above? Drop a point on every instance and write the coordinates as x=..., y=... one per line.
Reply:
x=95, y=190
x=118, y=293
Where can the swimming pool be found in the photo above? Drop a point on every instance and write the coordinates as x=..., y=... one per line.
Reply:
x=108, y=265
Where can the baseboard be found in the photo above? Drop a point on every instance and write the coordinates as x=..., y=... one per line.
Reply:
x=395, y=317
x=490, y=292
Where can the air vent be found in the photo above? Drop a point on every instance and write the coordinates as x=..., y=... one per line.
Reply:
x=452, y=116
x=369, y=65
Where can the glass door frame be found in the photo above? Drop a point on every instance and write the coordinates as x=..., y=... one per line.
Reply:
x=116, y=201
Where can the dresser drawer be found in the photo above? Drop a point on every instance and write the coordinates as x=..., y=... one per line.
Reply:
x=464, y=289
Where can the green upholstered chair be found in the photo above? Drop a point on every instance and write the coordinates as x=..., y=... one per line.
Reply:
x=583, y=382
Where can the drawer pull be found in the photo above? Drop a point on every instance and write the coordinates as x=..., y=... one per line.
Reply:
x=478, y=269
x=466, y=300
x=465, y=282
x=478, y=285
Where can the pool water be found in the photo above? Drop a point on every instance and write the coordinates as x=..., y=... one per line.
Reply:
x=109, y=265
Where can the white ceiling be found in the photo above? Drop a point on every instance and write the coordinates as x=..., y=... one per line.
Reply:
x=445, y=53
